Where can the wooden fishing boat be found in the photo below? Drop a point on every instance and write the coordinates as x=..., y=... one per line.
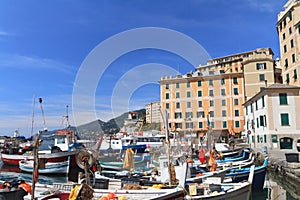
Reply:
x=14, y=194
x=58, y=196
x=218, y=191
x=131, y=191
x=45, y=168
x=14, y=159
x=241, y=174
x=14, y=189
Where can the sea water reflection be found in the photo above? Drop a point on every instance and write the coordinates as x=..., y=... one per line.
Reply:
x=278, y=187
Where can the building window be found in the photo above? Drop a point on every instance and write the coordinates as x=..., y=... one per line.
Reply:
x=189, y=125
x=178, y=115
x=293, y=58
x=224, y=124
x=211, y=82
x=222, y=81
x=167, y=105
x=287, y=76
x=280, y=26
x=199, y=93
x=188, y=104
x=188, y=94
x=284, y=49
x=263, y=101
x=236, y=113
x=188, y=84
x=292, y=43
x=235, y=91
x=290, y=30
x=211, y=103
x=188, y=114
x=223, y=102
x=295, y=74
x=237, y=124
x=256, y=105
x=284, y=119
x=177, y=85
x=236, y=102
x=261, y=66
x=199, y=103
x=212, y=124
x=283, y=36
x=200, y=114
x=261, y=77
x=261, y=120
x=167, y=86
x=298, y=28
x=223, y=113
x=223, y=92
x=286, y=62
x=167, y=96
x=200, y=125
x=290, y=15
x=211, y=93
x=212, y=114
x=199, y=83
x=235, y=81
x=283, y=99
x=257, y=123
x=177, y=104
x=177, y=95
x=178, y=125
x=251, y=108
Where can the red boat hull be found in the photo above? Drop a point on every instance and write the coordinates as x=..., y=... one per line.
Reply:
x=61, y=196
x=13, y=159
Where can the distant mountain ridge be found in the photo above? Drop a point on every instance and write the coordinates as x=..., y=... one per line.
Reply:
x=93, y=130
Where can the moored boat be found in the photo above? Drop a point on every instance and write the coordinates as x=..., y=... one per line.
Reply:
x=217, y=191
x=60, y=151
x=241, y=174
x=45, y=168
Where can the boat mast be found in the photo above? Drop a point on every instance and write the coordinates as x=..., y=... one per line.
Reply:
x=32, y=120
x=168, y=145
x=67, y=116
x=36, y=145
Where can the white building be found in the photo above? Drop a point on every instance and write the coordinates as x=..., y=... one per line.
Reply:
x=272, y=117
x=153, y=113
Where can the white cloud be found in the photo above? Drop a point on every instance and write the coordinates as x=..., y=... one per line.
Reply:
x=3, y=33
x=265, y=6
x=33, y=62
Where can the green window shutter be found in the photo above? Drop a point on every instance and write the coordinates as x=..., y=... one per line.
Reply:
x=283, y=99
x=284, y=119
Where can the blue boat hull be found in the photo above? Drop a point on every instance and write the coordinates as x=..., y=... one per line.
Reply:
x=258, y=179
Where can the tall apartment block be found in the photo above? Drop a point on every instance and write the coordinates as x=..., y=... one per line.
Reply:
x=213, y=95
x=153, y=112
x=288, y=28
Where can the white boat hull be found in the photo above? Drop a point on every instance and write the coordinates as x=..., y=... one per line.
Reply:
x=50, y=167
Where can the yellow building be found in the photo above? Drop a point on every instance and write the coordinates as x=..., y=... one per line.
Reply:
x=288, y=28
x=216, y=92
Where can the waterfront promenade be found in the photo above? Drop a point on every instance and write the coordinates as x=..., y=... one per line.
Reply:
x=279, y=163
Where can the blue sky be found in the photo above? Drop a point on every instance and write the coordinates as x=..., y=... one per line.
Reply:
x=44, y=43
